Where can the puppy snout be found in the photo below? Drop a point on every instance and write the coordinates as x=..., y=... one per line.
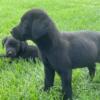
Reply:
x=11, y=53
x=15, y=33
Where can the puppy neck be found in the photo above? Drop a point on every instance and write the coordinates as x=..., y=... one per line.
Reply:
x=44, y=42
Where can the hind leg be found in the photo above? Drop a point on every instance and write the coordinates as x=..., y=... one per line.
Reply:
x=92, y=69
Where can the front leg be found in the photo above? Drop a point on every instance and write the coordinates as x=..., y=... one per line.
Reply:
x=49, y=76
x=66, y=77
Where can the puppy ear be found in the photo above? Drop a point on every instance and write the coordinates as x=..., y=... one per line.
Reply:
x=40, y=28
x=23, y=46
x=3, y=41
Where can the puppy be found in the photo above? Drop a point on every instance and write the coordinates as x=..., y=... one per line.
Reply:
x=70, y=36
x=16, y=49
x=60, y=53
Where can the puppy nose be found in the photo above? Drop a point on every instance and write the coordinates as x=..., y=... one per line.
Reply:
x=9, y=53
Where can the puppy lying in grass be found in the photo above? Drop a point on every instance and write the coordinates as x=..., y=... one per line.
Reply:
x=15, y=49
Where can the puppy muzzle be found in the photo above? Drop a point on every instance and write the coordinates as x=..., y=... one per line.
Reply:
x=11, y=53
x=17, y=34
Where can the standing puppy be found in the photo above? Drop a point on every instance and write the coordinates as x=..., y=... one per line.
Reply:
x=16, y=49
x=80, y=48
x=59, y=54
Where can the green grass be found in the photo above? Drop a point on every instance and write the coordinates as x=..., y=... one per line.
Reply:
x=24, y=80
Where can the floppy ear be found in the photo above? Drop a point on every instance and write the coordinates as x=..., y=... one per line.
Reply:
x=3, y=41
x=23, y=46
x=40, y=28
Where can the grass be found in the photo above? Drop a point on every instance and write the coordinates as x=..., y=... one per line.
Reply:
x=24, y=80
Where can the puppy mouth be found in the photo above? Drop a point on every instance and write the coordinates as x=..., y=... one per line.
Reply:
x=11, y=54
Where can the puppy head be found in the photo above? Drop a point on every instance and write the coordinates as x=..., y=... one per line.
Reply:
x=34, y=24
x=12, y=46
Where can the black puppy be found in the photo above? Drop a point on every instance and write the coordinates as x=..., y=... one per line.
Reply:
x=16, y=49
x=59, y=53
x=76, y=54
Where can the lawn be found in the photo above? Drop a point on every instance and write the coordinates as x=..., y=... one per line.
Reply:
x=24, y=80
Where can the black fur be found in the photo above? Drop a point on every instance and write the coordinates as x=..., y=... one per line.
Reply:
x=81, y=43
x=16, y=49
x=60, y=53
